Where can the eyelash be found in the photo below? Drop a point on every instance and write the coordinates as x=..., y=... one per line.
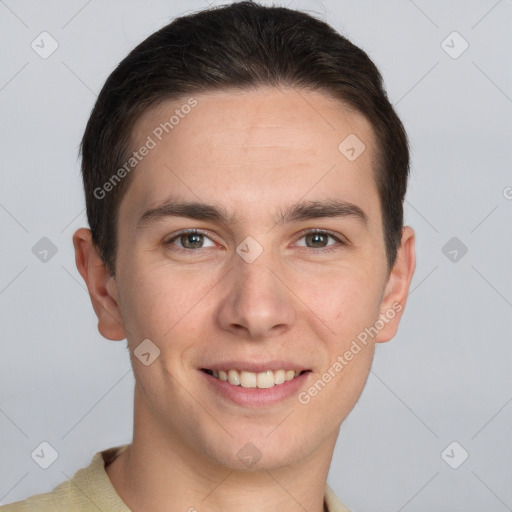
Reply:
x=304, y=234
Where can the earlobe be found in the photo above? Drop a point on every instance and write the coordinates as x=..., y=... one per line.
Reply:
x=100, y=284
x=397, y=287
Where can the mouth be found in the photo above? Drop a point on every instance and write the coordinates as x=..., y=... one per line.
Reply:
x=261, y=380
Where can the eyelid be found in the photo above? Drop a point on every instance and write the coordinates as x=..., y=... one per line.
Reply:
x=342, y=240
x=337, y=236
x=175, y=236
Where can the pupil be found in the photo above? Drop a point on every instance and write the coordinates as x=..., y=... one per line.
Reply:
x=194, y=240
x=317, y=236
x=193, y=244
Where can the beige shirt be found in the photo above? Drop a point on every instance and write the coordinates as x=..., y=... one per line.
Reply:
x=90, y=490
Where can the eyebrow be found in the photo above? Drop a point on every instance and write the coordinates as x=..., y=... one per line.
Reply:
x=296, y=212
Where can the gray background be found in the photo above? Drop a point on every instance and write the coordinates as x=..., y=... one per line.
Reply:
x=445, y=377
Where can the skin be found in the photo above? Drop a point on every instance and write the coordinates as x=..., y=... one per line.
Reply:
x=252, y=152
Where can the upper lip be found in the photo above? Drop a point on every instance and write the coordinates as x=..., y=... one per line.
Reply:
x=251, y=366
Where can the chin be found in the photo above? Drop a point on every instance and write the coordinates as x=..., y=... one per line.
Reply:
x=259, y=452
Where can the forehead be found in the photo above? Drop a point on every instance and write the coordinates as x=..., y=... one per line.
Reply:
x=251, y=148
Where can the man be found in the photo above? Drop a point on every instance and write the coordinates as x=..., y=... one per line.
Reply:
x=244, y=176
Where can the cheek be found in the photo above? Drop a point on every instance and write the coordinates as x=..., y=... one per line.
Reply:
x=160, y=302
x=335, y=389
x=345, y=298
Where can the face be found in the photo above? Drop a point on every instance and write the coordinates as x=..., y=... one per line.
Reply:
x=279, y=267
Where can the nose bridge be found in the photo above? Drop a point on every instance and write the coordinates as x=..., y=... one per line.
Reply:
x=257, y=302
x=257, y=279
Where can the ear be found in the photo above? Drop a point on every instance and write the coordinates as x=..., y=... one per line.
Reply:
x=101, y=285
x=397, y=287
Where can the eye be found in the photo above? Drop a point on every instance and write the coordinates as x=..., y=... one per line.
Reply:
x=319, y=240
x=190, y=239
x=194, y=239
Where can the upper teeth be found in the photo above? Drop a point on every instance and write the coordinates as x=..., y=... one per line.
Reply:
x=262, y=380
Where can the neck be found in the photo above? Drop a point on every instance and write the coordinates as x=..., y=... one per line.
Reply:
x=158, y=469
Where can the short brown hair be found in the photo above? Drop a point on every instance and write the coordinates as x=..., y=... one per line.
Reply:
x=240, y=46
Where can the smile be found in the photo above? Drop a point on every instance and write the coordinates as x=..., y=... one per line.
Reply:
x=262, y=380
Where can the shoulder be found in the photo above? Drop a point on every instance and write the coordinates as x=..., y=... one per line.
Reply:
x=88, y=490
x=332, y=502
x=63, y=497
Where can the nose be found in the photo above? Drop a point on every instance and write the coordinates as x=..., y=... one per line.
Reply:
x=257, y=303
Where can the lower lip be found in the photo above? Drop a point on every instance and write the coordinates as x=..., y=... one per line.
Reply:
x=256, y=397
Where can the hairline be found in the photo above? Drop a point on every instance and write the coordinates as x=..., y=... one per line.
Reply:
x=139, y=117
